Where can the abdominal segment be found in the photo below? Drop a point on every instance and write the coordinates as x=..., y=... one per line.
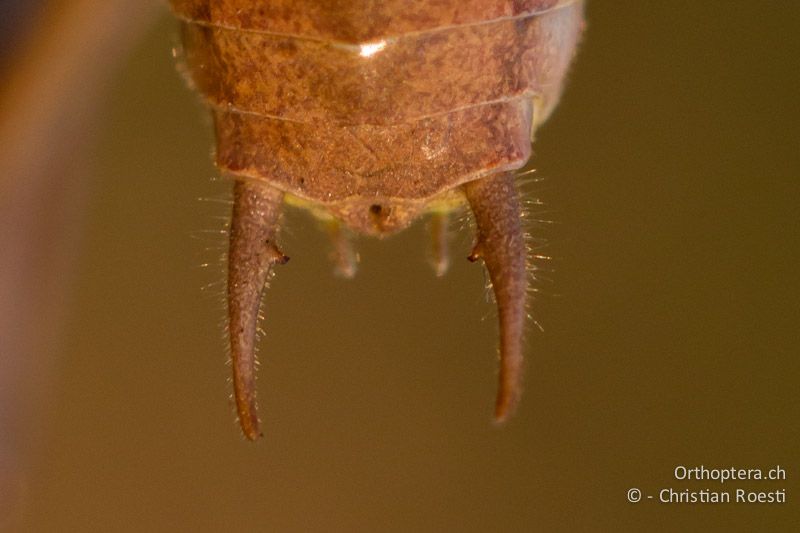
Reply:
x=407, y=163
x=387, y=80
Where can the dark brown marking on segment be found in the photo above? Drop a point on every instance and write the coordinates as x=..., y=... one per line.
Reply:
x=501, y=244
x=252, y=252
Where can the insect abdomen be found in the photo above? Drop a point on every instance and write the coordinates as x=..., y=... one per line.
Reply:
x=371, y=113
x=332, y=103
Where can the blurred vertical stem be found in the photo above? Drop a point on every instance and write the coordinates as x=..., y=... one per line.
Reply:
x=50, y=100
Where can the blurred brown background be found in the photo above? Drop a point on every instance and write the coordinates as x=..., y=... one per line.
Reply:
x=670, y=324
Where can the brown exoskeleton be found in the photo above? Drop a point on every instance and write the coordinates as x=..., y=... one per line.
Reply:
x=371, y=114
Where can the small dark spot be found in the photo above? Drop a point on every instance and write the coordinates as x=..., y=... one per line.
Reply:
x=287, y=47
x=375, y=209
